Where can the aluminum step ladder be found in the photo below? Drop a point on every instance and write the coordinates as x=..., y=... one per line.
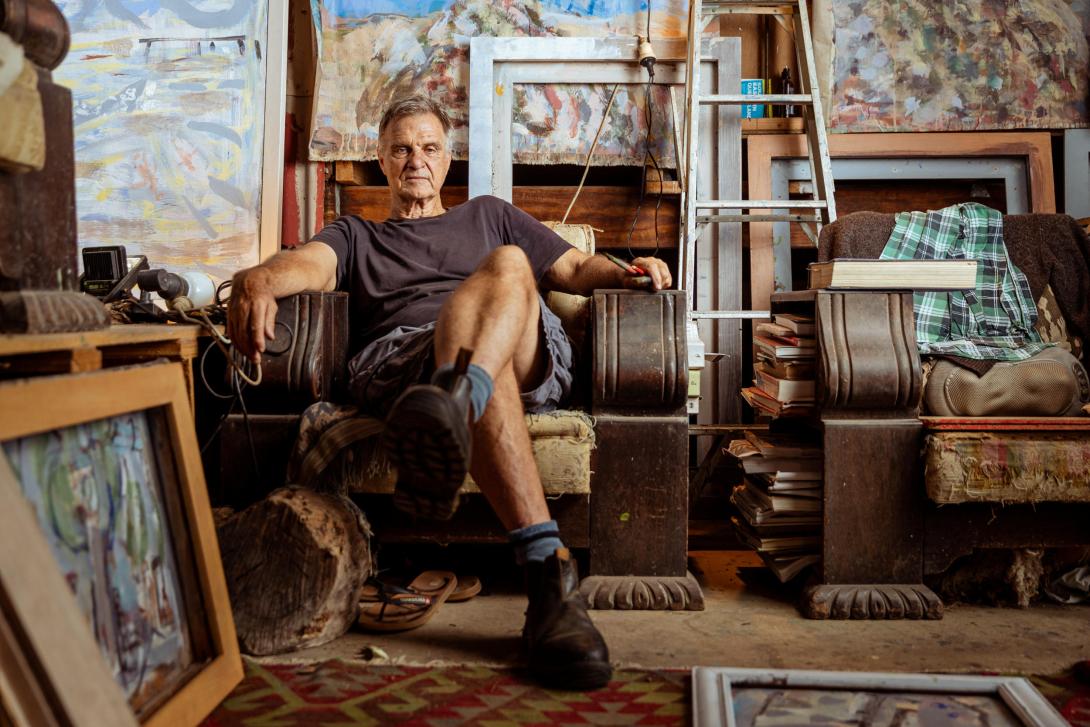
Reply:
x=697, y=213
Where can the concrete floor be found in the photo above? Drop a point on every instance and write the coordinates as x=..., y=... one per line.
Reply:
x=752, y=624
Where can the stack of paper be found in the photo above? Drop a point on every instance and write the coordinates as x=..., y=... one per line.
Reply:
x=780, y=500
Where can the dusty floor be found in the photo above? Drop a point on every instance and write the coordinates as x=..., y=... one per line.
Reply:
x=751, y=625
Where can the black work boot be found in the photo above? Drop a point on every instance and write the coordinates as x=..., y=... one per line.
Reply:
x=428, y=439
x=565, y=649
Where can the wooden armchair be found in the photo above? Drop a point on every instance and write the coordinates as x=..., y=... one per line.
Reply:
x=906, y=496
x=615, y=472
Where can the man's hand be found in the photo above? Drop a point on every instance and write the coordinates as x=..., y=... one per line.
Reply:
x=251, y=312
x=655, y=269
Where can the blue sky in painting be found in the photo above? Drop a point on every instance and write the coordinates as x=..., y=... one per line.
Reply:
x=362, y=8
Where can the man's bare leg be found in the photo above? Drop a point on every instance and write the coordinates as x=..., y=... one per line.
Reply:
x=496, y=314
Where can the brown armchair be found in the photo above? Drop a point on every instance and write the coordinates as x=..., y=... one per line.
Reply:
x=906, y=496
x=615, y=471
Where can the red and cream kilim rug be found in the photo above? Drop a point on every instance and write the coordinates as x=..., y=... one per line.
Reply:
x=355, y=693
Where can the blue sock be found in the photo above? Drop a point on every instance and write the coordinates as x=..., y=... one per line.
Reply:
x=535, y=542
x=480, y=386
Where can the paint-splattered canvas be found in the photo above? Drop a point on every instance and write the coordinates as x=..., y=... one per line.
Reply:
x=96, y=491
x=372, y=51
x=169, y=116
x=961, y=66
x=758, y=707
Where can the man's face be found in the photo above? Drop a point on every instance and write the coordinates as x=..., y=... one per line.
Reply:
x=413, y=155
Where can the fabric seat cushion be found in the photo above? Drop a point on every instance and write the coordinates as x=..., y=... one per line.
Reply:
x=562, y=442
x=1007, y=467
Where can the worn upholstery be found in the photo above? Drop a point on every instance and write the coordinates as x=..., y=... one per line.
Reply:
x=562, y=443
x=1007, y=467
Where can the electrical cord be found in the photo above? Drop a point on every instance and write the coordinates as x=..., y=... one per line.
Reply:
x=590, y=154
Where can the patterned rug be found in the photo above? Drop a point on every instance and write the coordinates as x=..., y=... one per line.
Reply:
x=355, y=693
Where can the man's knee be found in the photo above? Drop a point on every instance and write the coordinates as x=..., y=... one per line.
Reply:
x=510, y=263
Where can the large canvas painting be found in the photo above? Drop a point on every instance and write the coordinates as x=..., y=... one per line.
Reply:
x=961, y=66
x=371, y=51
x=98, y=498
x=169, y=115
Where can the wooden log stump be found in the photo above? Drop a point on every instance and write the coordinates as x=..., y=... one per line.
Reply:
x=294, y=563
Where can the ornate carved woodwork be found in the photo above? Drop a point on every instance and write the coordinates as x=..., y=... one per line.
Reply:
x=869, y=384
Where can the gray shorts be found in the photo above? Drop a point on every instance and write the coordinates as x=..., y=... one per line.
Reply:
x=405, y=356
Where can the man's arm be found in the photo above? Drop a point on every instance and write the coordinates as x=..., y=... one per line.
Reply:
x=581, y=274
x=251, y=315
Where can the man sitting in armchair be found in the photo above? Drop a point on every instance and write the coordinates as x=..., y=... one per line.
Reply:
x=453, y=342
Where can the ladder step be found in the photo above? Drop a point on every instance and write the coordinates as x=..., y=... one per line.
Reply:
x=761, y=204
x=704, y=219
x=728, y=314
x=776, y=99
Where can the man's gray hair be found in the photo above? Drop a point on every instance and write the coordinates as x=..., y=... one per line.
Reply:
x=414, y=105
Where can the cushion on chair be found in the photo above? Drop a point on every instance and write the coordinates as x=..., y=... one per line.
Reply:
x=562, y=442
x=1049, y=383
x=573, y=310
x=1007, y=467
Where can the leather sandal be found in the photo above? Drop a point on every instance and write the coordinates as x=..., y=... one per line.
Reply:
x=386, y=607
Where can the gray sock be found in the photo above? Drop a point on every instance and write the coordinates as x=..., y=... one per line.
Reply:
x=535, y=542
x=480, y=389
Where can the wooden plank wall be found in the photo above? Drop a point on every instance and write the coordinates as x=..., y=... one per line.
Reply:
x=608, y=209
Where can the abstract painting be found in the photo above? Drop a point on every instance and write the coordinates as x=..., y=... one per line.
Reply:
x=372, y=51
x=794, y=707
x=96, y=491
x=960, y=66
x=169, y=116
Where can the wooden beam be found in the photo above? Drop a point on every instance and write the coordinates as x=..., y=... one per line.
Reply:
x=608, y=209
x=350, y=173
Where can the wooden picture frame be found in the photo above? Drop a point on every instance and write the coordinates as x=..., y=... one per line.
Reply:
x=109, y=465
x=715, y=691
x=1035, y=148
x=270, y=223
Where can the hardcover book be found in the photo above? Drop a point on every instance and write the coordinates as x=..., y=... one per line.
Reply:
x=894, y=274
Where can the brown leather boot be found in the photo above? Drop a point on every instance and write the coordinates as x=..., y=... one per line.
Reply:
x=428, y=439
x=565, y=649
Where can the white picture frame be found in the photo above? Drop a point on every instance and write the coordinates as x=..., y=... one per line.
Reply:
x=714, y=688
x=1077, y=172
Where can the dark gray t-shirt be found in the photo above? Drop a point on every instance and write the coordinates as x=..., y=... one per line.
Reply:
x=400, y=272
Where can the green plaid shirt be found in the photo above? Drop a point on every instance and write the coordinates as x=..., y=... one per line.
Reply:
x=994, y=321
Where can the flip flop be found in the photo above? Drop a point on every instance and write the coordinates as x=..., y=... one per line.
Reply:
x=467, y=588
x=386, y=607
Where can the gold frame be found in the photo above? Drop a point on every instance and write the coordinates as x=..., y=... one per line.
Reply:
x=46, y=404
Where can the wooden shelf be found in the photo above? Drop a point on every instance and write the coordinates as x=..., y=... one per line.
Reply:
x=793, y=125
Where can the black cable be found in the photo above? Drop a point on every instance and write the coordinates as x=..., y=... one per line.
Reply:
x=239, y=386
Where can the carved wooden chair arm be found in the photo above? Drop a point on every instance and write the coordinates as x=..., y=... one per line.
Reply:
x=639, y=352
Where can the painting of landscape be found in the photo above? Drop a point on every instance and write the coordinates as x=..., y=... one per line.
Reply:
x=168, y=110
x=965, y=66
x=372, y=51
x=97, y=493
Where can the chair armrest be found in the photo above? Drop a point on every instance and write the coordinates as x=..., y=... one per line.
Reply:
x=307, y=360
x=639, y=352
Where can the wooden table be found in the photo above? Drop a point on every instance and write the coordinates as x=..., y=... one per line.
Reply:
x=118, y=345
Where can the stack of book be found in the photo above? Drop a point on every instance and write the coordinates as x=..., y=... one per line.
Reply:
x=779, y=500
x=783, y=368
